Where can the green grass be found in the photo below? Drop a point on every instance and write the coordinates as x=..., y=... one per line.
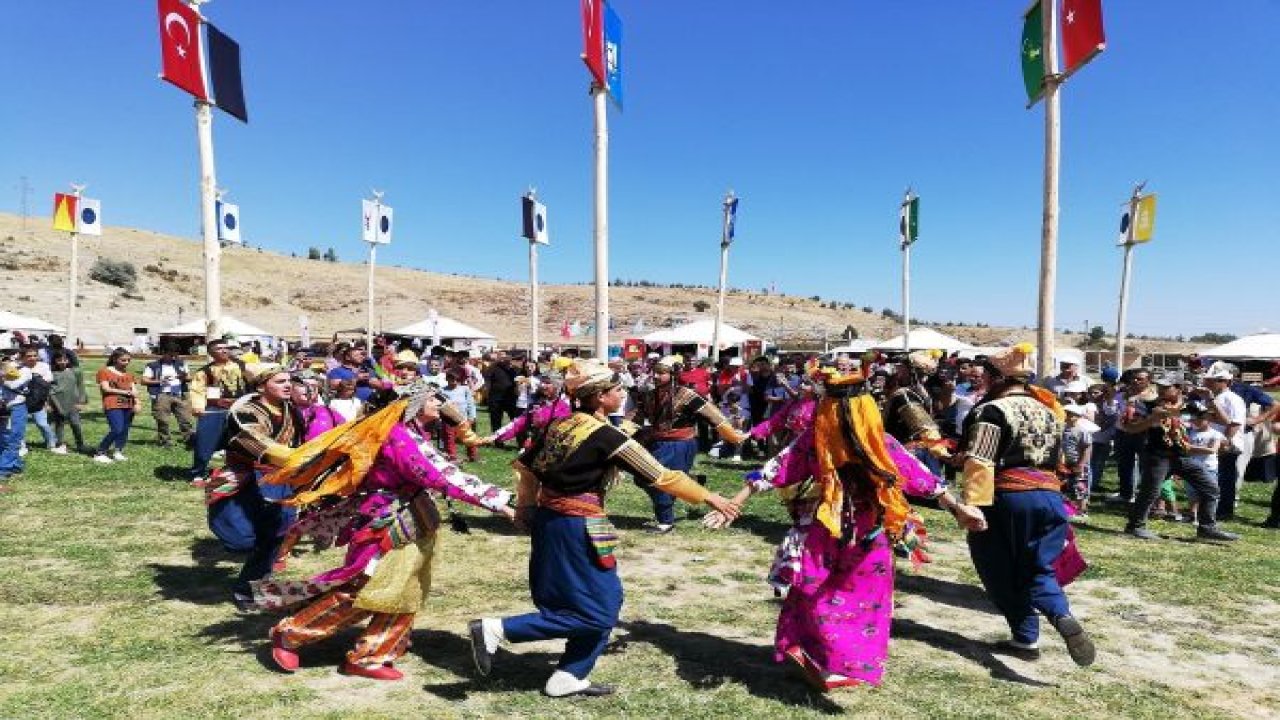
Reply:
x=112, y=604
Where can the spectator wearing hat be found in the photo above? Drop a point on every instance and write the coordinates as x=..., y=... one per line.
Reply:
x=1068, y=373
x=1077, y=449
x=1133, y=401
x=1166, y=450
x=1228, y=415
x=1261, y=409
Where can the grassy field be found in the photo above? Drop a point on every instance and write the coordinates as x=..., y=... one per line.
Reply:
x=113, y=603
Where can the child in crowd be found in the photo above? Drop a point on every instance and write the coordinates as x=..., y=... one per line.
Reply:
x=344, y=402
x=1077, y=446
x=459, y=394
x=65, y=398
x=734, y=407
x=1205, y=444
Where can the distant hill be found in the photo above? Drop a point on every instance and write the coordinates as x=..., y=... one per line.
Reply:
x=271, y=291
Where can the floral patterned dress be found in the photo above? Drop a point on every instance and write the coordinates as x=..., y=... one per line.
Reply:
x=840, y=601
x=406, y=464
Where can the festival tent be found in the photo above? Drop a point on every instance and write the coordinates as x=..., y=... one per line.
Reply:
x=448, y=332
x=698, y=334
x=14, y=321
x=854, y=347
x=1263, y=346
x=924, y=339
x=184, y=334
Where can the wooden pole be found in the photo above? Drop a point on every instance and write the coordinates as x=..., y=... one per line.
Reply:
x=1049, y=221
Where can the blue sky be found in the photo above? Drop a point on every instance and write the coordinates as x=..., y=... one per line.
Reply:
x=817, y=114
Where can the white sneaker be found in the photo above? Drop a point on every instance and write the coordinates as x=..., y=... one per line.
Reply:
x=118, y=456
x=60, y=450
x=100, y=458
x=22, y=451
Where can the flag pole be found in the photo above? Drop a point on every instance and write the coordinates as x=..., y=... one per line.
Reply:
x=1122, y=313
x=533, y=300
x=209, y=223
x=78, y=191
x=905, y=215
x=725, y=241
x=373, y=256
x=1049, y=224
x=598, y=93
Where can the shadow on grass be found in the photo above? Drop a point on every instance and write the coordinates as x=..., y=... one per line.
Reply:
x=208, y=582
x=706, y=661
x=170, y=473
x=526, y=672
x=1096, y=529
x=967, y=648
x=961, y=595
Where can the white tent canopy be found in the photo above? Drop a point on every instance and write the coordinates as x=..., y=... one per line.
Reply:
x=1263, y=346
x=854, y=347
x=445, y=329
x=924, y=339
x=700, y=332
x=14, y=321
x=230, y=325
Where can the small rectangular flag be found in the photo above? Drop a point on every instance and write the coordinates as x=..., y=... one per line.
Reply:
x=382, y=229
x=180, y=47
x=909, y=220
x=1082, y=36
x=228, y=222
x=535, y=220
x=89, y=217
x=730, y=219
x=224, y=72
x=1033, y=71
x=613, y=54
x=64, y=212
x=593, y=39
x=1144, y=222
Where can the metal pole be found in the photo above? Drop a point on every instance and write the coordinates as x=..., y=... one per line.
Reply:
x=209, y=223
x=1124, y=304
x=906, y=296
x=78, y=191
x=373, y=256
x=1049, y=226
x=725, y=241
x=533, y=300
x=601, y=222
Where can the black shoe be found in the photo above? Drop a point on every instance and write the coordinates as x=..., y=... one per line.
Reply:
x=1271, y=523
x=1141, y=533
x=1213, y=532
x=479, y=651
x=1079, y=644
x=243, y=603
x=592, y=690
x=1008, y=647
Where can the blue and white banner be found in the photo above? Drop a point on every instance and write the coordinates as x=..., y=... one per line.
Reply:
x=89, y=217
x=228, y=222
x=613, y=54
x=376, y=222
x=730, y=218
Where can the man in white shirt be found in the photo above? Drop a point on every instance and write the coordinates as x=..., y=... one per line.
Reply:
x=1228, y=417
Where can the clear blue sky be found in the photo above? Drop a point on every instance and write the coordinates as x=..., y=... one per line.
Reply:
x=817, y=114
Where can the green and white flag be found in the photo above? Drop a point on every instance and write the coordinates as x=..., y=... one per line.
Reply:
x=1033, y=53
x=909, y=220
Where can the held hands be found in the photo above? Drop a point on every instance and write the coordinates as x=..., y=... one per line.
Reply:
x=970, y=518
x=719, y=520
x=725, y=507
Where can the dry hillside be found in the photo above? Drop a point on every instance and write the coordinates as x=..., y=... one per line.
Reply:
x=272, y=290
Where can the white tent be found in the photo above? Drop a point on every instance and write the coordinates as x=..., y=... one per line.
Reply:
x=854, y=347
x=700, y=332
x=924, y=339
x=1263, y=346
x=14, y=321
x=240, y=329
x=448, y=331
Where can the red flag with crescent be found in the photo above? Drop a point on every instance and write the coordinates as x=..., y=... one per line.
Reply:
x=180, y=47
x=593, y=39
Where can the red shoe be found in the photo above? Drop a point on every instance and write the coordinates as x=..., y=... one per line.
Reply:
x=808, y=670
x=377, y=672
x=842, y=683
x=286, y=658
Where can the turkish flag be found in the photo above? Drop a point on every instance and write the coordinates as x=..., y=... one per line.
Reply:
x=180, y=47
x=1082, y=36
x=593, y=38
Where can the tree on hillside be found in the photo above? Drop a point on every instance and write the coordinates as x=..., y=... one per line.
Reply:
x=313, y=253
x=1213, y=338
x=1096, y=334
x=119, y=273
x=701, y=306
x=331, y=256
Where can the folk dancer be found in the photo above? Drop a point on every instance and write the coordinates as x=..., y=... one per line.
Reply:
x=669, y=415
x=834, y=623
x=1011, y=450
x=560, y=499
x=364, y=485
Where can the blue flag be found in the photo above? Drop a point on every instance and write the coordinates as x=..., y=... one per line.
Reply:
x=613, y=54
x=731, y=219
x=224, y=72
